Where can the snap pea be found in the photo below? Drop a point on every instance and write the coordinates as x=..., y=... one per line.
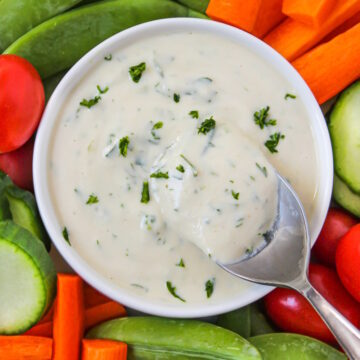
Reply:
x=153, y=338
x=259, y=323
x=51, y=83
x=19, y=16
x=198, y=5
x=294, y=347
x=237, y=321
x=58, y=43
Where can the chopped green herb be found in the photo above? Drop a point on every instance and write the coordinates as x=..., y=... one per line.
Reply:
x=145, y=195
x=123, y=145
x=136, y=71
x=181, y=263
x=291, y=96
x=102, y=91
x=235, y=194
x=156, y=126
x=263, y=169
x=108, y=57
x=172, y=291
x=97, y=242
x=239, y=222
x=260, y=118
x=206, y=126
x=160, y=175
x=194, y=114
x=273, y=142
x=91, y=102
x=176, y=97
x=93, y=199
x=209, y=287
x=193, y=168
x=249, y=251
x=180, y=168
x=65, y=235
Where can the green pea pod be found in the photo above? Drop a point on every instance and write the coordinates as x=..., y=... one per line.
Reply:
x=151, y=338
x=4, y=204
x=58, y=43
x=19, y=16
x=51, y=83
x=294, y=347
x=259, y=322
x=237, y=321
x=198, y=5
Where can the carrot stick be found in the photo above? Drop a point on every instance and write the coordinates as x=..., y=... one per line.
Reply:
x=332, y=66
x=44, y=329
x=23, y=347
x=292, y=38
x=68, y=317
x=103, y=350
x=103, y=312
x=93, y=297
x=309, y=12
x=255, y=16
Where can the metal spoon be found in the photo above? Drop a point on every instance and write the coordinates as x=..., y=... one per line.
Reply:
x=284, y=262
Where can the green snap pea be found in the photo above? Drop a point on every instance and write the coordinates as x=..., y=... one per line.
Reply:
x=19, y=16
x=153, y=338
x=238, y=321
x=294, y=347
x=51, y=83
x=198, y=5
x=259, y=323
x=58, y=43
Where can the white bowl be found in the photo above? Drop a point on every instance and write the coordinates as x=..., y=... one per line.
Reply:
x=41, y=153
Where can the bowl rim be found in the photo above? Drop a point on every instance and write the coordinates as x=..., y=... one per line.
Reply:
x=150, y=29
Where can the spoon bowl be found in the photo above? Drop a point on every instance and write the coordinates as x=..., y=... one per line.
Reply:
x=284, y=261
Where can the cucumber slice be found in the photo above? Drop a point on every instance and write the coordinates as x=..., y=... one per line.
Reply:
x=345, y=197
x=25, y=213
x=345, y=135
x=27, y=279
x=4, y=204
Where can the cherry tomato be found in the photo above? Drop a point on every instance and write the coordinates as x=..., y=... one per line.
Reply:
x=348, y=261
x=22, y=102
x=291, y=312
x=337, y=224
x=18, y=165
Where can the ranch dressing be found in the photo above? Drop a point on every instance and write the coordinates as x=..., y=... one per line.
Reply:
x=156, y=173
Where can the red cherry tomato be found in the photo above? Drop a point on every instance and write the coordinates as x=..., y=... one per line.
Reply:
x=18, y=165
x=291, y=312
x=337, y=224
x=22, y=101
x=348, y=261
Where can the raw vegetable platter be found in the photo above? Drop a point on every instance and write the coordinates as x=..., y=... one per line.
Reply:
x=47, y=312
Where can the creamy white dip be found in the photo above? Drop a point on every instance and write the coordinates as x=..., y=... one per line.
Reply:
x=156, y=173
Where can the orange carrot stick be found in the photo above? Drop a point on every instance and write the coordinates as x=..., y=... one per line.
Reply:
x=44, y=329
x=103, y=350
x=332, y=66
x=68, y=317
x=103, y=312
x=23, y=347
x=255, y=16
x=93, y=297
x=292, y=38
x=309, y=12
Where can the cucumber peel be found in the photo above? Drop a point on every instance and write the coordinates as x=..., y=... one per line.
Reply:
x=345, y=197
x=344, y=130
x=159, y=338
x=27, y=279
x=25, y=213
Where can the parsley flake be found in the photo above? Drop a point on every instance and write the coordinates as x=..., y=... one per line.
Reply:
x=91, y=102
x=156, y=126
x=102, y=91
x=194, y=114
x=172, y=291
x=176, y=97
x=235, y=195
x=261, y=118
x=108, y=57
x=65, y=235
x=136, y=71
x=206, y=126
x=193, y=168
x=123, y=145
x=291, y=96
x=181, y=263
x=263, y=169
x=209, y=287
x=93, y=199
x=160, y=175
x=273, y=142
x=145, y=195
x=180, y=168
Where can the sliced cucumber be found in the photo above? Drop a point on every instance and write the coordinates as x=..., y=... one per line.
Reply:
x=345, y=135
x=27, y=279
x=345, y=197
x=25, y=213
x=4, y=204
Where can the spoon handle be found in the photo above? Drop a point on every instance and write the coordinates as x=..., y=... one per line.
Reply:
x=346, y=333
